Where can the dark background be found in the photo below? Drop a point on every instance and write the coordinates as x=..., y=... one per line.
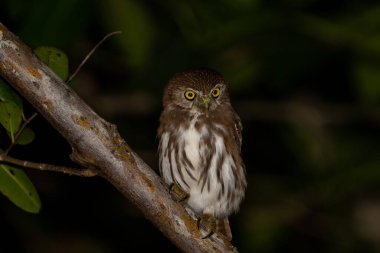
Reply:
x=304, y=77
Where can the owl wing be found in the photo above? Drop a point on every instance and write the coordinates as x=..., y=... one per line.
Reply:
x=238, y=128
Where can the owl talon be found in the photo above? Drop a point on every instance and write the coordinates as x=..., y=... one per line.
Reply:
x=207, y=223
x=178, y=193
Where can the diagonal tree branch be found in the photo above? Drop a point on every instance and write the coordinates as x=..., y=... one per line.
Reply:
x=97, y=145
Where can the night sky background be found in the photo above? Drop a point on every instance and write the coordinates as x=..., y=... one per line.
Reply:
x=304, y=76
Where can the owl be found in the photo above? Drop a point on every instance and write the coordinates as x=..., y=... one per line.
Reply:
x=200, y=143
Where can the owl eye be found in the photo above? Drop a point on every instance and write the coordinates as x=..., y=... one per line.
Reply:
x=190, y=95
x=215, y=92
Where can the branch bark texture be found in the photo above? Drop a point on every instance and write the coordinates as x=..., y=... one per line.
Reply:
x=96, y=144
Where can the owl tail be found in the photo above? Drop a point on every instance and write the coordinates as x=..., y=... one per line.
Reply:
x=223, y=227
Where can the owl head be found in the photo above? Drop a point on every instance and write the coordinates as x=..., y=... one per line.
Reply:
x=197, y=90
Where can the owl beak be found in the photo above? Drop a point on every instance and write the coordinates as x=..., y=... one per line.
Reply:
x=205, y=103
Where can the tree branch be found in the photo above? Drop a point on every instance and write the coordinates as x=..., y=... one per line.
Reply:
x=89, y=55
x=97, y=145
x=48, y=167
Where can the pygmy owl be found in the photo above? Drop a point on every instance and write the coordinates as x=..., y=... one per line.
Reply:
x=200, y=142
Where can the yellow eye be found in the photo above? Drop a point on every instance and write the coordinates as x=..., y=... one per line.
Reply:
x=215, y=92
x=190, y=95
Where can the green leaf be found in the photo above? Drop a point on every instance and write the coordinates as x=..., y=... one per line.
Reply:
x=26, y=137
x=7, y=94
x=11, y=111
x=56, y=60
x=15, y=185
x=10, y=117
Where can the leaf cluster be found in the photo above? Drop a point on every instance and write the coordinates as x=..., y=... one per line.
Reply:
x=14, y=182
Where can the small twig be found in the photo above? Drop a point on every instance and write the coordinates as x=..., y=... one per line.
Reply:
x=18, y=134
x=91, y=53
x=48, y=167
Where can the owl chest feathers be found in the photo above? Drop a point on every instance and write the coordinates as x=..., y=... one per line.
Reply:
x=195, y=156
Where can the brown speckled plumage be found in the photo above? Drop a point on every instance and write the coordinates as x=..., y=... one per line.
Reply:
x=200, y=142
